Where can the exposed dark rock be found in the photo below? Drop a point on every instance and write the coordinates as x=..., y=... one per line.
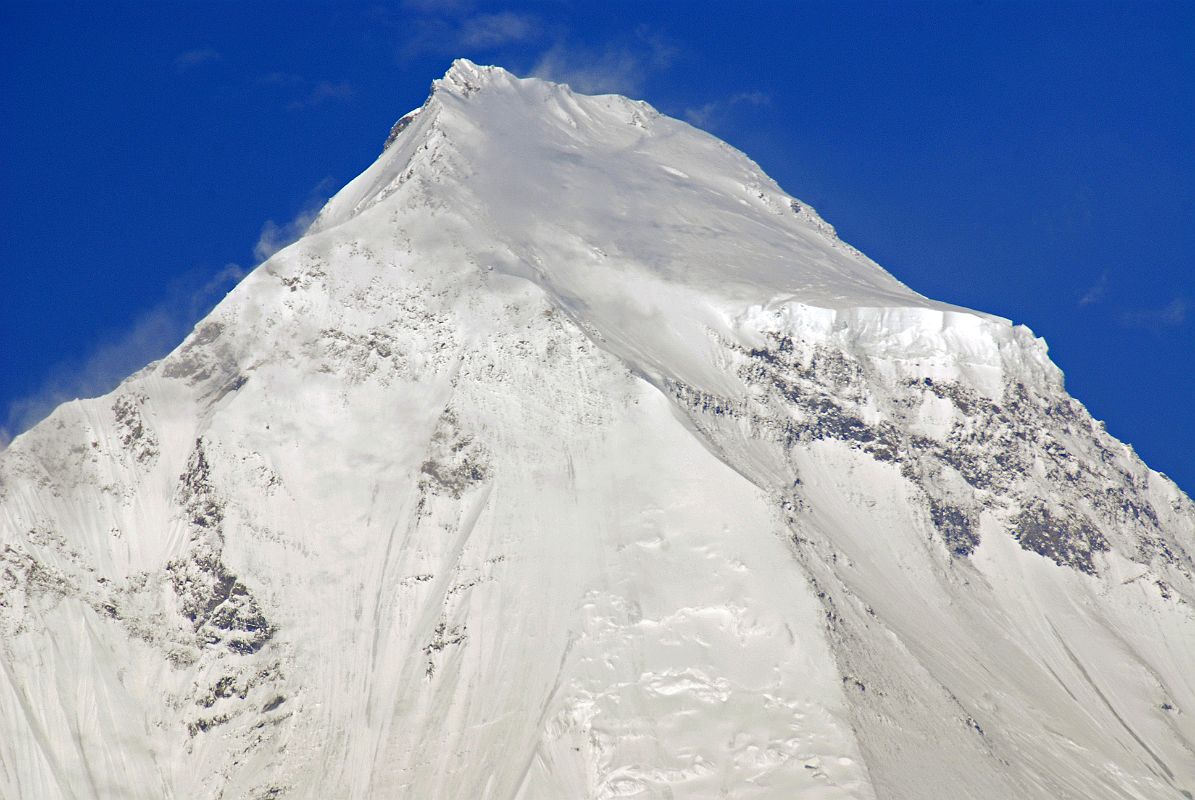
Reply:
x=195, y=492
x=201, y=357
x=1068, y=541
x=136, y=437
x=224, y=688
x=220, y=608
x=397, y=129
x=1011, y=453
x=444, y=636
x=456, y=461
x=205, y=724
x=955, y=526
x=853, y=682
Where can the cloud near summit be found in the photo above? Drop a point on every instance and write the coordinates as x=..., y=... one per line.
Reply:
x=622, y=67
x=447, y=32
x=151, y=336
x=193, y=58
x=1171, y=315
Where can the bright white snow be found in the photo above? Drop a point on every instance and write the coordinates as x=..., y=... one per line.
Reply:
x=567, y=456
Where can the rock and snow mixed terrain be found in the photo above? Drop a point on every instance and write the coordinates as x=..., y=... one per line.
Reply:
x=567, y=456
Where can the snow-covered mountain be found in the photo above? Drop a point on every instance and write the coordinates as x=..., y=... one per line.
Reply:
x=567, y=456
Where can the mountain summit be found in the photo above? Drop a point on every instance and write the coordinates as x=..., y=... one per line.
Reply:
x=568, y=456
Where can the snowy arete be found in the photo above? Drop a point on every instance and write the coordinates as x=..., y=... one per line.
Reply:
x=567, y=456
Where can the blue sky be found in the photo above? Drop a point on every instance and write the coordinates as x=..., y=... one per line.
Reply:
x=1031, y=160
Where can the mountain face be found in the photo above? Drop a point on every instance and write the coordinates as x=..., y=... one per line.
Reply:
x=567, y=456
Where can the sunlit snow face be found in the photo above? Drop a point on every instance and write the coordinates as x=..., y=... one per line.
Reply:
x=565, y=434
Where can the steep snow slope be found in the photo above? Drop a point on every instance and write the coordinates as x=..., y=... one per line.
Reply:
x=568, y=456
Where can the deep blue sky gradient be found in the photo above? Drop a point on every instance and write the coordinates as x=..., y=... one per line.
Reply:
x=1031, y=160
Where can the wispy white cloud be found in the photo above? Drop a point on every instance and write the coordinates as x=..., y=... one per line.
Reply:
x=324, y=92
x=280, y=78
x=309, y=93
x=495, y=30
x=612, y=70
x=431, y=27
x=1171, y=315
x=439, y=6
x=275, y=236
x=193, y=58
x=1096, y=292
x=621, y=67
x=150, y=337
x=453, y=31
x=715, y=113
